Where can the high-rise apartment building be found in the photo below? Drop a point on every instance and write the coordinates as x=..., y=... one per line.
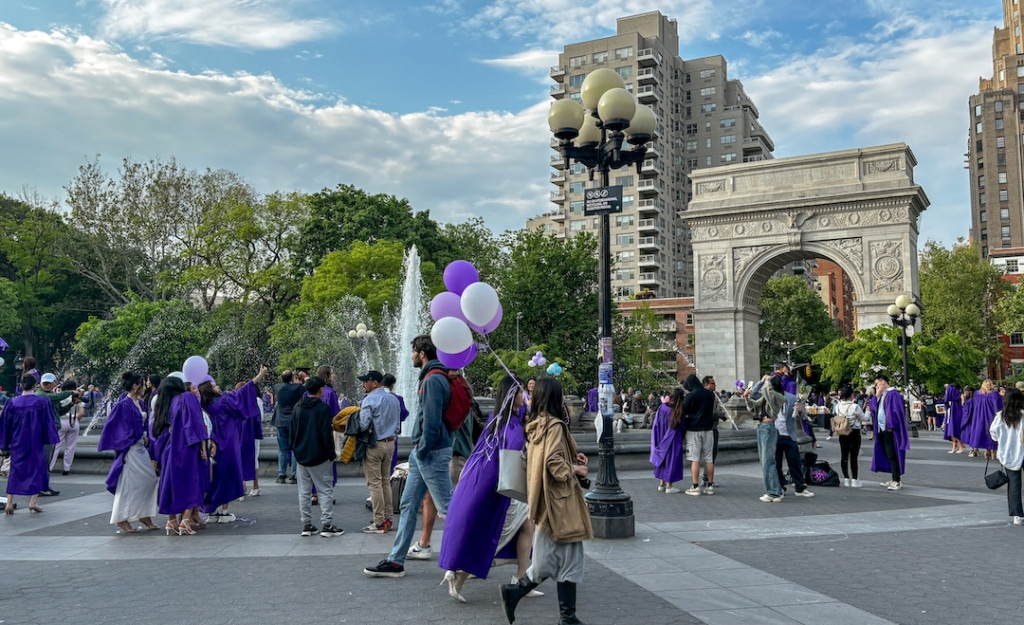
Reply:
x=704, y=120
x=994, y=147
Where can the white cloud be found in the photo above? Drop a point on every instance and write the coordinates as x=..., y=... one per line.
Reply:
x=530, y=61
x=261, y=24
x=760, y=38
x=65, y=97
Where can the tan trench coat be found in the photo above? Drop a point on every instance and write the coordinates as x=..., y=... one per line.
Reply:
x=553, y=492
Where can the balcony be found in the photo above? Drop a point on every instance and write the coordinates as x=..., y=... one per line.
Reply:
x=558, y=177
x=648, y=76
x=558, y=89
x=648, y=57
x=648, y=94
x=647, y=260
x=558, y=196
x=652, y=149
x=667, y=326
x=648, y=225
x=648, y=278
x=655, y=243
x=557, y=216
x=759, y=132
x=754, y=159
x=557, y=71
x=651, y=166
x=557, y=161
x=649, y=207
x=649, y=185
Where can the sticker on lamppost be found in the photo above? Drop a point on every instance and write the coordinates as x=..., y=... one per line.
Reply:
x=603, y=200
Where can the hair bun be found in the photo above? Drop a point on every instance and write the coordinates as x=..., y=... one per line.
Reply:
x=127, y=375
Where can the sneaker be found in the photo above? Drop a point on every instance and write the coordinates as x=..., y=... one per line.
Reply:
x=855, y=484
x=829, y=437
x=65, y=472
x=1018, y=520
x=895, y=486
x=49, y=493
x=419, y=552
x=693, y=490
x=369, y=504
x=280, y=479
x=308, y=529
x=709, y=489
x=376, y=529
x=847, y=482
x=386, y=568
x=224, y=517
x=886, y=483
x=293, y=480
x=661, y=488
x=389, y=525
x=804, y=493
x=672, y=491
x=329, y=531
x=770, y=498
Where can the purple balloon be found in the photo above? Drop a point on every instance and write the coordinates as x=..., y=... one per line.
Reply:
x=457, y=361
x=458, y=275
x=446, y=304
x=491, y=325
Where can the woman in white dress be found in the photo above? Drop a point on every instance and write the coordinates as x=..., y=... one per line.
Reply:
x=132, y=478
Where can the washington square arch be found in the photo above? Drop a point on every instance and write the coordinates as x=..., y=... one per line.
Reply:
x=858, y=208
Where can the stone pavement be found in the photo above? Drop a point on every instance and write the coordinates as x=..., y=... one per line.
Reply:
x=941, y=551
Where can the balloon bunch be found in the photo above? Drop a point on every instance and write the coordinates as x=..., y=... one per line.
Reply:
x=538, y=360
x=554, y=369
x=195, y=370
x=740, y=385
x=468, y=305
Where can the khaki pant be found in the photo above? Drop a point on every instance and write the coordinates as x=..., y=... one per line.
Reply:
x=377, y=468
x=455, y=468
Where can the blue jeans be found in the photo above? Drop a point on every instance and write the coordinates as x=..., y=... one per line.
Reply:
x=767, y=439
x=284, y=453
x=787, y=448
x=424, y=475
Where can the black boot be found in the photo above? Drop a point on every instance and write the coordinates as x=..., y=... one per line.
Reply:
x=512, y=593
x=567, y=604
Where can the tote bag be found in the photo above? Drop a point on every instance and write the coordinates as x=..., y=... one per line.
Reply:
x=512, y=474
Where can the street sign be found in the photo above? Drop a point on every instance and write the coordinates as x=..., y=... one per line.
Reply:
x=603, y=200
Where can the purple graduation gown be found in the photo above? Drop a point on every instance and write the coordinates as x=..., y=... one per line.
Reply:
x=982, y=412
x=28, y=423
x=895, y=420
x=229, y=413
x=952, y=425
x=592, y=400
x=666, y=447
x=330, y=398
x=252, y=431
x=403, y=414
x=182, y=479
x=476, y=513
x=122, y=429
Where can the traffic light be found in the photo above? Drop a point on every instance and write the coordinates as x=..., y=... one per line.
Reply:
x=807, y=371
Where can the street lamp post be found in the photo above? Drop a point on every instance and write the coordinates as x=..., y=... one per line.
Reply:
x=595, y=139
x=519, y=316
x=790, y=347
x=904, y=313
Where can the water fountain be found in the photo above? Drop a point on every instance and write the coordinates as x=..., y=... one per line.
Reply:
x=413, y=320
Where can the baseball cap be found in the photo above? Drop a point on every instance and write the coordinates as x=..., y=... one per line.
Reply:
x=48, y=378
x=376, y=376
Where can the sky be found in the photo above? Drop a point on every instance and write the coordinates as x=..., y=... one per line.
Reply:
x=444, y=102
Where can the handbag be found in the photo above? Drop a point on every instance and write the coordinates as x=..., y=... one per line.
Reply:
x=841, y=425
x=512, y=474
x=996, y=478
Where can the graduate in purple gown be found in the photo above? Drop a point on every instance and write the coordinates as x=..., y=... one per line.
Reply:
x=477, y=513
x=132, y=478
x=591, y=400
x=667, y=443
x=252, y=432
x=27, y=425
x=227, y=412
x=952, y=423
x=183, y=460
x=891, y=440
x=984, y=406
x=329, y=397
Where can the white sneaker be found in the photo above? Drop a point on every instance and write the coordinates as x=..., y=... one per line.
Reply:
x=417, y=552
x=672, y=491
x=224, y=517
x=693, y=490
x=769, y=499
x=828, y=438
x=804, y=493
x=895, y=486
x=709, y=489
x=855, y=484
x=661, y=488
x=886, y=483
x=1018, y=520
x=847, y=482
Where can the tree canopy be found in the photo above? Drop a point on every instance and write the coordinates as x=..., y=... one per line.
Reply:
x=792, y=313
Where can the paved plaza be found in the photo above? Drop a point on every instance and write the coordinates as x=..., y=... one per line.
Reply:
x=940, y=551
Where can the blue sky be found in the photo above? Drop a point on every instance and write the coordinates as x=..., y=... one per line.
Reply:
x=444, y=101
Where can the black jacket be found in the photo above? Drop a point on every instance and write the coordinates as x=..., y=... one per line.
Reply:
x=699, y=406
x=311, y=436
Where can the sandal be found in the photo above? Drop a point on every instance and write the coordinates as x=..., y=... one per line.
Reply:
x=124, y=527
x=185, y=528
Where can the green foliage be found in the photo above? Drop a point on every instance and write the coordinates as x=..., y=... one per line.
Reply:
x=105, y=343
x=9, y=319
x=240, y=341
x=371, y=272
x=791, y=312
x=642, y=351
x=487, y=368
x=471, y=241
x=957, y=290
x=1009, y=310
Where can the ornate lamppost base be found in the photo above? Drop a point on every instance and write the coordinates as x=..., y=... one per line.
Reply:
x=611, y=509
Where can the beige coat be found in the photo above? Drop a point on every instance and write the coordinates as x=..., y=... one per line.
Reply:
x=553, y=492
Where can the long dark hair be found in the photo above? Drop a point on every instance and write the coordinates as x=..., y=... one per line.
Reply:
x=547, y=397
x=129, y=379
x=170, y=388
x=1013, y=404
x=207, y=393
x=676, y=401
x=504, y=400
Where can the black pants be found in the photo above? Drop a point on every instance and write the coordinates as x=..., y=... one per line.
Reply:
x=714, y=450
x=787, y=447
x=888, y=441
x=1013, y=493
x=849, y=448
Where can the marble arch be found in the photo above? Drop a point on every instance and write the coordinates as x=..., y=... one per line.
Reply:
x=859, y=208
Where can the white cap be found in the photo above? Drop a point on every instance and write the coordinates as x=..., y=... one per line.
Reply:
x=48, y=378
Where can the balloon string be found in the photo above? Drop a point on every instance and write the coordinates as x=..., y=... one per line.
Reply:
x=506, y=401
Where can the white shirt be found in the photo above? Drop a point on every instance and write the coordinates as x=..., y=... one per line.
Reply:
x=853, y=413
x=1010, y=451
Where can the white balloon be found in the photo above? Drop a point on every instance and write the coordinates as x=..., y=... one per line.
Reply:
x=179, y=375
x=532, y=363
x=479, y=303
x=351, y=334
x=370, y=334
x=361, y=333
x=451, y=335
x=2, y=361
x=361, y=326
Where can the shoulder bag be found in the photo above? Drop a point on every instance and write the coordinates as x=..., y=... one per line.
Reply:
x=512, y=473
x=996, y=478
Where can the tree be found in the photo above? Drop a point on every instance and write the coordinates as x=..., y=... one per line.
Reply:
x=1009, y=310
x=9, y=319
x=472, y=241
x=642, y=351
x=791, y=312
x=104, y=344
x=958, y=290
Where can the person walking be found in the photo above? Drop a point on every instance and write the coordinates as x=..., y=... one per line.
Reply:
x=27, y=425
x=766, y=409
x=1006, y=432
x=667, y=435
x=557, y=508
x=889, y=419
x=952, y=423
x=68, y=432
x=380, y=412
x=849, y=444
x=699, y=407
x=287, y=393
x=184, y=456
x=985, y=404
x=311, y=440
x=429, y=460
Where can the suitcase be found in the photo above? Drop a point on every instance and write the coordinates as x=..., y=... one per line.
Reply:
x=397, y=488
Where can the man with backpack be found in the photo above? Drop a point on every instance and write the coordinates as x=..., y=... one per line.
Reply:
x=429, y=459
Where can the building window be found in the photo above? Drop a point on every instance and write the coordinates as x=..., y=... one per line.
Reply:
x=601, y=57
x=707, y=108
x=691, y=146
x=728, y=158
x=1017, y=338
x=625, y=71
x=689, y=319
x=1002, y=177
x=1000, y=142
x=998, y=106
x=624, y=239
x=707, y=92
x=977, y=128
x=575, y=225
x=984, y=234
x=576, y=97
x=576, y=80
x=1020, y=68
x=983, y=216
x=727, y=123
x=1004, y=195
x=1005, y=231
x=576, y=187
x=576, y=207
x=707, y=73
x=728, y=139
x=691, y=129
x=1011, y=265
x=977, y=110
x=626, y=181
x=577, y=61
x=623, y=220
x=577, y=168
x=708, y=161
x=977, y=145
x=981, y=199
x=624, y=53
x=999, y=123
x=1004, y=214
x=981, y=182
x=691, y=162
